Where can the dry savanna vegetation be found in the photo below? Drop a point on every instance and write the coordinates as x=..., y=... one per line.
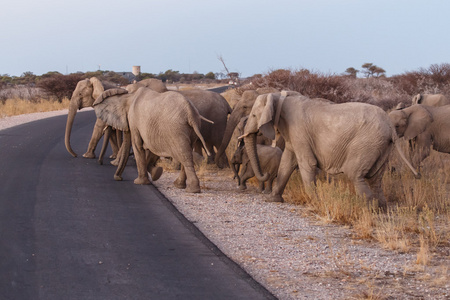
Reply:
x=418, y=214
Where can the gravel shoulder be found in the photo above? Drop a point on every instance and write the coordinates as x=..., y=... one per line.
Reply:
x=289, y=251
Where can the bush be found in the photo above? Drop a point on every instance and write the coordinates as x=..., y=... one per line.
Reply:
x=59, y=86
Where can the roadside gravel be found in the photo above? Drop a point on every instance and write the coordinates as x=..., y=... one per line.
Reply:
x=288, y=250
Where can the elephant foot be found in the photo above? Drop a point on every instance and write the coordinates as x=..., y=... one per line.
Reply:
x=193, y=189
x=275, y=198
x=179, y=185
x=267, y=192
x=113, y=156
x=142, y=181
x=89, y=155
x=156, y=173
x=115, y=162
x=118, y=178
x=242, y=187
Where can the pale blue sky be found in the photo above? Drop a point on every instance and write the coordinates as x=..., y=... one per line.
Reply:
x=253, y=36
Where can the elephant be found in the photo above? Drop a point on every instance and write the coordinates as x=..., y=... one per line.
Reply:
x=211, y=106
x=352, y=138
x=430, y=99
x=84, y=95
x=156, y=125
x=428, y=126
x=241, y=109
x=269, y=158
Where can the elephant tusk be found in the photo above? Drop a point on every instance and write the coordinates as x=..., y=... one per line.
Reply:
x=206, y=120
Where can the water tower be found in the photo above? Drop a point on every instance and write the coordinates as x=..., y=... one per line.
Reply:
x=136, y=70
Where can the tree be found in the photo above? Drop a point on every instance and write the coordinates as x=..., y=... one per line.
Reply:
x=352, y=72
x=210, y=75
x=371, y=70
x=60, y=86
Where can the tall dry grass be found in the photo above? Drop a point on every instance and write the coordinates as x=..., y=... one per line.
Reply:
x=13, y=107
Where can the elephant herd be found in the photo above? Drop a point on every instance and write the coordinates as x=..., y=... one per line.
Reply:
x=278, y=133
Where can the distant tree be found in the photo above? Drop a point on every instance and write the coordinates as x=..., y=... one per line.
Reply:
x=371, y=70
x=352, y=72
x=210, y=75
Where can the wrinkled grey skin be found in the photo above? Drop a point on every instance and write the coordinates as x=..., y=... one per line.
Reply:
x=213, y=107
x=84, y=95
x=156, y=125
x=269, y=158
x=430, y=99
x=151, y=83
x=351, y=138
x=426, y=126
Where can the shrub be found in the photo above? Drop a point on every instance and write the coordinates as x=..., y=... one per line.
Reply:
x=59, y=86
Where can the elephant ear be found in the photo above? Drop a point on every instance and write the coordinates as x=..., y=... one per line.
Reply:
x=112, y=108
x=418, y=120
x=265, y=123
x=98, y=87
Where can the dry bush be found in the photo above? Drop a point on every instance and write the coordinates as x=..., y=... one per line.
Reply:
x=336, y=88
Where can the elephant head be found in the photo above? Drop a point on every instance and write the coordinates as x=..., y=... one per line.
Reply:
x=411, y=121
x=241, y=109
x=84, y=95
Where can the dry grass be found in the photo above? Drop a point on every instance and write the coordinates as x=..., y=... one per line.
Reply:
x=13, y=107
x=418, y=212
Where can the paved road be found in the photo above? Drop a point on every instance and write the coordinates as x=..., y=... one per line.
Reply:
x=69, y=231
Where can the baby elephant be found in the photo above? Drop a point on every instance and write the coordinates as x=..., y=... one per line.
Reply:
x=269, y=158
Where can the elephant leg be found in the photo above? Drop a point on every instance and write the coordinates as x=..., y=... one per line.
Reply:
x=122, y=156
x=422, y=149
x=180, y=182
x=96, y=136
x=377, y=189
x=114, y=143
x=106, y=137
x=155, y=172
x=192, y=182
x=288, y=164
x=246, y=174
x=269, y=184
x=260, y=188
x=141, y=161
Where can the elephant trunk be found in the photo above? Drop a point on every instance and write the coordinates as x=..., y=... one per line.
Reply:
x=250, y=146
x=70, y=118
x=233, y=120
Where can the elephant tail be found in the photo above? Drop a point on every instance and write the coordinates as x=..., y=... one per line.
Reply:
x=200, y=136
x=395, y=140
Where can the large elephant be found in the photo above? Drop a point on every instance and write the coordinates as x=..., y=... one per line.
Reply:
x=84, y=95
x=241, y=109
x=351, y=138
x=430, y=99
x=211, y=106
x=156, y=125
x=428, y=126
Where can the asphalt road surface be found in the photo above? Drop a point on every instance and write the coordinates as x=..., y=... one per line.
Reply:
x=69, y=231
